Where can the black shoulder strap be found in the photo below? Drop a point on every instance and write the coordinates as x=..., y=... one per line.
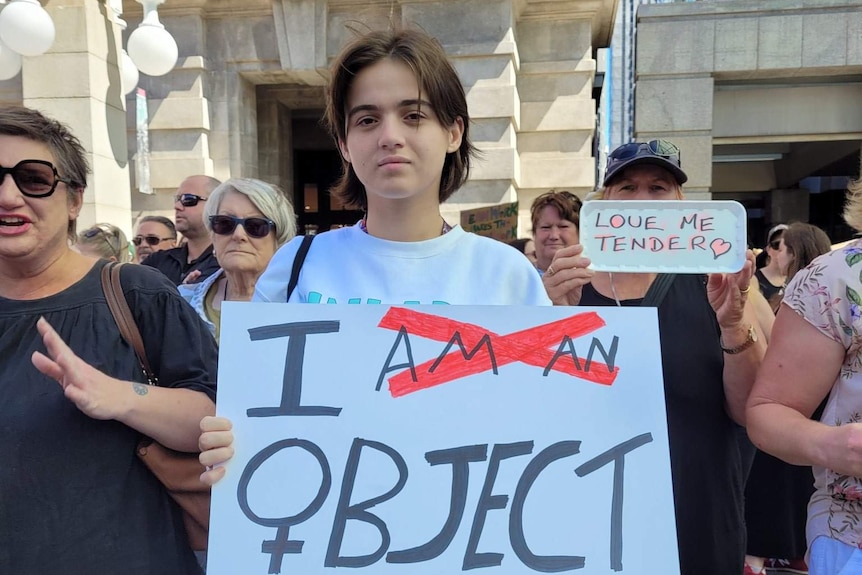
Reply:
x=656, y=292
x=297, y=264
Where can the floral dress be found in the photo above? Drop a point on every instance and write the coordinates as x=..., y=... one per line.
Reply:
x=828, y=295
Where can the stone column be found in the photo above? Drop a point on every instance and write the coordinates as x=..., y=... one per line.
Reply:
x=558, y=113
x=487, y=66
x=78, y=82
x=180, y=112
x=675, y=93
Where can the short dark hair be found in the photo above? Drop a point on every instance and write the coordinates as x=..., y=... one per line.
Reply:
x=160, y=220
x=69, y=154
x=804, y=242
x=436, y=77
x=568, y=205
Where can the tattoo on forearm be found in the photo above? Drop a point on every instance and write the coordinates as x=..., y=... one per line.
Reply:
x=140, y=388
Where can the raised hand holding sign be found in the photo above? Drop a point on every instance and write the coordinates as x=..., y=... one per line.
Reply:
x=664, y=236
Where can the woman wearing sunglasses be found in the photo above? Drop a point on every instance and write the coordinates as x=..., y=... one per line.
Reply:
x=248, y=220
x=74, y=403
x=105, y=241
x=711, y=348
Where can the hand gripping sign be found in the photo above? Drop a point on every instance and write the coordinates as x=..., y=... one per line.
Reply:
x=664, y=236
x=442, y=439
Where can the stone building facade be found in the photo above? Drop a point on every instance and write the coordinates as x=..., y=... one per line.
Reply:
x=246, y=96
x=762, y=96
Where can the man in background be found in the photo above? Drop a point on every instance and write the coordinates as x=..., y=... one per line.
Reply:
x=154, y=234
x=194, y=258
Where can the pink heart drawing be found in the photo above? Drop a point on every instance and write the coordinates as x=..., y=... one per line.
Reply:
x=719, y=247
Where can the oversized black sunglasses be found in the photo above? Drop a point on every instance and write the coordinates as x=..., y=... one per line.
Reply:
x=150, y=240
x=35, y=178
x=254, y=227
x=188, y=200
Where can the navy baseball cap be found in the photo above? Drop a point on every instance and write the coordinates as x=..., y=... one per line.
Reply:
x=659, y=153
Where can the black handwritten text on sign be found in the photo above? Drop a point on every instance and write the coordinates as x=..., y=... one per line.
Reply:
x=422, y=440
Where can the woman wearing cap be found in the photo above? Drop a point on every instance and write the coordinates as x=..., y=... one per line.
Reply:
x=556, y=221
x=711, y=349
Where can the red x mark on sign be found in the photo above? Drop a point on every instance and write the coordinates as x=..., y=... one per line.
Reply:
x=529, y=346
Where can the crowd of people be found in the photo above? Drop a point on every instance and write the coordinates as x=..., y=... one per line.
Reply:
x=74, y=400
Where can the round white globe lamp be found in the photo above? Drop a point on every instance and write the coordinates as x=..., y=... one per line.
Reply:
x=128, y=72
x=152, y=48
x=10, y=62
x=26, y=27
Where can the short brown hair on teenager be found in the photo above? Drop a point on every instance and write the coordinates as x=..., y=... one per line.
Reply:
x=435, y=75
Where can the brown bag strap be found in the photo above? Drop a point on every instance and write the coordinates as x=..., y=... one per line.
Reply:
x=123, y=316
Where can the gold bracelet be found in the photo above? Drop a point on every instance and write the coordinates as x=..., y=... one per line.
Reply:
x=749, y=341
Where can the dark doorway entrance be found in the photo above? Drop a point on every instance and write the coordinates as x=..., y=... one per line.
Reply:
x=317, y=211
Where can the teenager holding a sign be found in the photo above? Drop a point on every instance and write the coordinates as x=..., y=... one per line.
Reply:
x=398, y=112
x=711, y=349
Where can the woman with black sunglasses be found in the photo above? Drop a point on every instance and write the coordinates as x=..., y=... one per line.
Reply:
x=74, y=403
x=248, y=220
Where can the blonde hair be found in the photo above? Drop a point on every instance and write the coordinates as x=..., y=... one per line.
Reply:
x=853, y=207
x=108, y=241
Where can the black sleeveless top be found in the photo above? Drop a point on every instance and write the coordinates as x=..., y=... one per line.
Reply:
x=705, y=461
x=771, y=292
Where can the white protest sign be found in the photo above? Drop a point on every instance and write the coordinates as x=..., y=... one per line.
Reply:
x=664, y=236
x=439, y=439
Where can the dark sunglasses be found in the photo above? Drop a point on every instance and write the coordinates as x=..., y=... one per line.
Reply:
x=35, y=178
x=254, y=227
x=150, y=240
x=188, y=200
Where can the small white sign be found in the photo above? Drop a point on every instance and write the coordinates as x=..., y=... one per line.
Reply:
x=431, y=440
x=664, y=236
